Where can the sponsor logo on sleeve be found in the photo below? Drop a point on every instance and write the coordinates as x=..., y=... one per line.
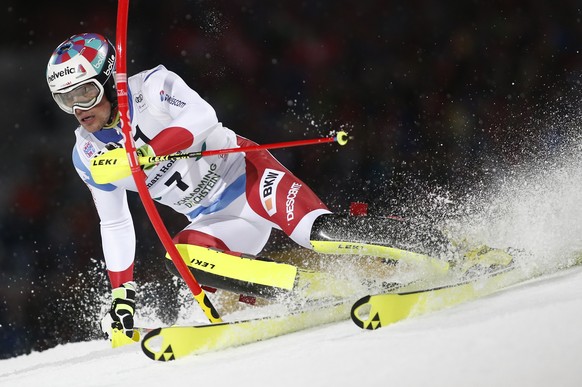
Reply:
x=290, y=203
x=140, y=102
x=171, y=100
x=268, y=190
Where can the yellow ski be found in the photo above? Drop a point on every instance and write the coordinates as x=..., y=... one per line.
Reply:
x=376, y=311
x=170, y=343
x=417, y=260
x=262, y=278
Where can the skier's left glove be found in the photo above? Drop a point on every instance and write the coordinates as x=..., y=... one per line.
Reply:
x=118, y=323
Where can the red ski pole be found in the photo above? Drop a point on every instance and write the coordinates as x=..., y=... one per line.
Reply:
x=114, y=164
x=341, y=138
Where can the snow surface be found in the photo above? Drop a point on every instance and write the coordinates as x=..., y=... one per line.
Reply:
x=526, y=335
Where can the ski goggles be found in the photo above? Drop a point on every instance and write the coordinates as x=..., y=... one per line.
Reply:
x=83, y=97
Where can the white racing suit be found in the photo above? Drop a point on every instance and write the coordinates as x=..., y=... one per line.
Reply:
x=232, y=201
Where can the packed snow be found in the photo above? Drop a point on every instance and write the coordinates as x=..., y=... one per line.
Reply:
x=526, y=335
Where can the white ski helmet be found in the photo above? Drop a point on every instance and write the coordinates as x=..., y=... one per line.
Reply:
x=81, y=71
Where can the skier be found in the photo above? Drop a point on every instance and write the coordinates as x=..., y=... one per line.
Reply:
x=231, y=201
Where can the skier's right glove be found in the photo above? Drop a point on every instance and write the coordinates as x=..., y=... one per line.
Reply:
x=118, y=322
x=109, y=164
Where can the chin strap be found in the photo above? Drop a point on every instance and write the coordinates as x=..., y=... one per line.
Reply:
x=115, y=119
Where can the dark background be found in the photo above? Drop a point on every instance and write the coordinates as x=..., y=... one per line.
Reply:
x=438, y=96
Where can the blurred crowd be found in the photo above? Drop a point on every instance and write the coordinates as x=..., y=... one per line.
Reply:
x=435, y=93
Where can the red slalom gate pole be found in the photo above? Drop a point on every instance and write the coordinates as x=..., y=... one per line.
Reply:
x=139, y=175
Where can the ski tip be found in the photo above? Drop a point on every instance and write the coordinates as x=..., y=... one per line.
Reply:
x=163, y=354
x=360, y=312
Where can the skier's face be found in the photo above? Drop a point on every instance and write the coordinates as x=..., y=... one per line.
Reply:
x=95, y=118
